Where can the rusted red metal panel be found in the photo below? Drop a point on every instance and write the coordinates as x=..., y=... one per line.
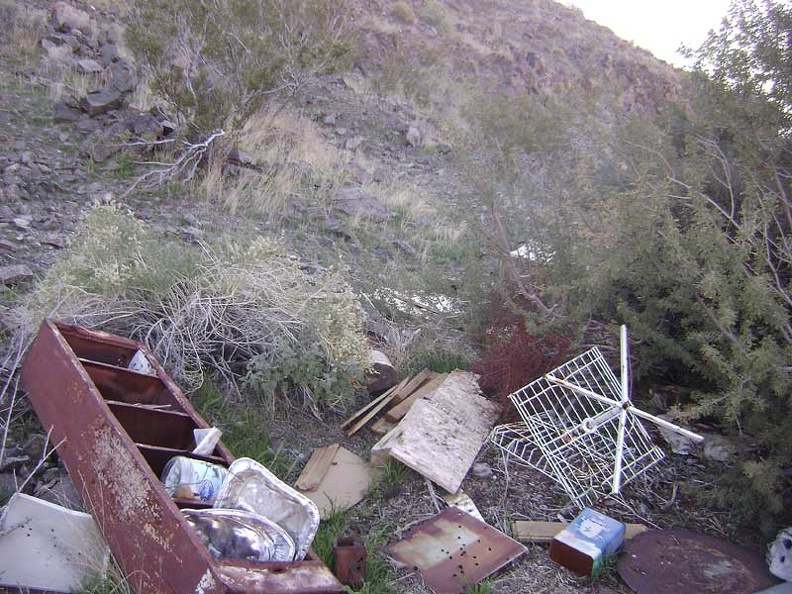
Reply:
x=453, y=550
x=117, y=429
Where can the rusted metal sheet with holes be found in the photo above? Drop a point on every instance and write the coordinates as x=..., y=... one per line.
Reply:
x=117, y=429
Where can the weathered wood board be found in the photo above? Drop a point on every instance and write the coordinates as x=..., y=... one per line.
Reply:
x=441, y=436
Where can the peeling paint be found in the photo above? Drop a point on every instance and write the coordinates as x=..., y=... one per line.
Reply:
x=206, y=584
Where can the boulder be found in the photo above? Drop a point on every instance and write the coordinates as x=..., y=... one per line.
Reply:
x=414, y=136
x=357, y=201
x=383, y=375
x=66, y=18
x=102, y=101
x=121, y=76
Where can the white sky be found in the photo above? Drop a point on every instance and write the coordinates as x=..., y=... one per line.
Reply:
x=659, y=26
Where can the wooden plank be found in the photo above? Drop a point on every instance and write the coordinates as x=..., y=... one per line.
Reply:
x=386, y=397
x=317, y=467
x=416, y=382
x=545, y=532
x=382, y=426
x=397, y=412
x=440, y=437
x=344, y=485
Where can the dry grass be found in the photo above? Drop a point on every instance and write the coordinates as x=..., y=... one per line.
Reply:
x=294, y=164
x=21, y=30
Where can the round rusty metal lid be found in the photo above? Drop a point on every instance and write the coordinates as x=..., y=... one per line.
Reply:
x=674, y=561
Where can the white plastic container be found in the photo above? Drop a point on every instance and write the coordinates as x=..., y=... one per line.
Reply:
x=189, y=478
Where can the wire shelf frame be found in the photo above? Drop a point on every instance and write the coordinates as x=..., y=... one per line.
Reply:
x=579, y=428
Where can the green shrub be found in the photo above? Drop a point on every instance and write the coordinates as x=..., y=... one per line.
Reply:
x=245, y=313
x=216, y=62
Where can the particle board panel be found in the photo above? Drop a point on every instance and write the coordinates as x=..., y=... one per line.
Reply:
x=440, y=437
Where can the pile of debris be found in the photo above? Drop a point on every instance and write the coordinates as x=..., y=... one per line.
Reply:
x=179, y=513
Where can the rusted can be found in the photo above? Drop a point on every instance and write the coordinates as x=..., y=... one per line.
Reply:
x=349, y=555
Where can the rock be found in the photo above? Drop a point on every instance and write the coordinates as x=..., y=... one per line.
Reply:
x=13, y=462
x=356, y=201
x=108, y=53
x=384, y=374
x=102, y=101
x=65, y=113
x=413, y=136
x=192, y=234
x=36, y=447
x=241, y=158
x=89, y=65
x=7, y=246
x=145, y=125
x=60, y=54
x=718, y=449
x=66, y=18
x=16, y=273
x=100, y=148
x=330, y=120
x=481, y=470
x=56, y=487
x=121, y=76
x=352, y=143
x=22, y=223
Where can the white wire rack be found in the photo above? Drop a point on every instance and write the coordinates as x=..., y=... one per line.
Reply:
x=579, y=428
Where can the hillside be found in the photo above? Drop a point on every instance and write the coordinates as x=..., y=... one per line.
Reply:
x=398, y=169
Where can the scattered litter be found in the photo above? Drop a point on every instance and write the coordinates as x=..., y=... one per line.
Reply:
x=586, y=542
x=44, y=546
x=349, y=556
x=119, y=429
x=141, y=364
x=544, y=532
x=463, y=501
x=580, y=428
x=334, y=479
x=453, y=550
x=206, y=440
x=481, y=470
x=190, y=478
x=676, y=560
x=252, y=487
x=238, y=534
x=440, y=437
x=390, y=397
x=779, y=558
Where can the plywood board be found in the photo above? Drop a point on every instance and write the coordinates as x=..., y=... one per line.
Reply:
x=345, y=483
x=440, y=437
x=544, y=532
x=317, y=467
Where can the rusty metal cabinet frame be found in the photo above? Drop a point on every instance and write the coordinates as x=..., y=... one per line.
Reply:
x=117, y=429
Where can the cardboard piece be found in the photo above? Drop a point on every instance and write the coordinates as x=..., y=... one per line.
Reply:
x=345, y=481
x=441, y=437
x=44, y=546
x=463, y=501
